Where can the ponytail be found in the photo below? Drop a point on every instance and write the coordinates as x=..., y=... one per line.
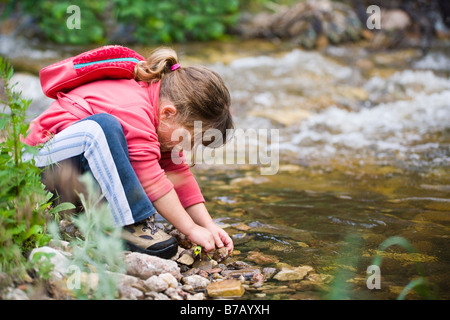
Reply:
x=197, y=92
x=157, y=65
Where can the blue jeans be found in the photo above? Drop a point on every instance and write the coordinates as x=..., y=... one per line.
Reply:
x=97, y=144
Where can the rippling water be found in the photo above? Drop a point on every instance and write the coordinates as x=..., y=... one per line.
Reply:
x=364, y=150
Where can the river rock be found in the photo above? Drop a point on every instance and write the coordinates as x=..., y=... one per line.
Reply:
x=130, y=293
x=174, y=294
x=261, y=258
x=290, y=273
x=251, y=274
x=156, y=283
x=156, y=296
x=186, y=257
x=237, y=265
x=169, y=279
x=144, y=266
x=197, y=296
x=225, y=288
x=197, y=282
x=56, y=257
x=183, y=241
x=16, y=294
x=220, y=254
x=269, y=272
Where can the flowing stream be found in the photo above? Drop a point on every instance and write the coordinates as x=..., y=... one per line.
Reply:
x=363, y=154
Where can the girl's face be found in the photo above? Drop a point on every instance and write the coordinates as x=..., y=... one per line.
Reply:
x=167, y=137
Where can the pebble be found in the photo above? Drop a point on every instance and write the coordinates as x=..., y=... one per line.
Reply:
x=144, y=266
x=197, y=282
x=225, y=288
x=290, y=273
x=261, y=258
x=152, y=278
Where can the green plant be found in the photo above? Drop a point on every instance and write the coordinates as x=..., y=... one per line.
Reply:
x=52, y=18
x=24, y=202
x=178, y=20
x=100, y=250
x=420, y=284
x=146, y=21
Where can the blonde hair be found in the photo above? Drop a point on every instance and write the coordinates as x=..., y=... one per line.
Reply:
x=198, y=93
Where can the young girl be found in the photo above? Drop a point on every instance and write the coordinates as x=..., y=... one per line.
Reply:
x=121, y=131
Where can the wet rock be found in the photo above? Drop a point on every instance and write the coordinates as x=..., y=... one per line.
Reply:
x=236, y=265
x=257, y=279
x=225, y=288
x=204, y=264
x=291, y=273
x=251, y=274
x=197, y=282
x=269, y=272
x=144, y=266
x=261, y=258
x=220, y=254
x=186, y=257
x=183, y=241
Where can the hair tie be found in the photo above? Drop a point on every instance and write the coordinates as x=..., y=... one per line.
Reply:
x=175, y=67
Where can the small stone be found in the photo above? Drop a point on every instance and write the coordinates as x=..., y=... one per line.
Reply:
x=290, y=273
x=197, y=296
x=236, y=265
x=225, y=288
x=183, y=241
x=203, y=264
x=187, y=288
x=56, y=257
x=246, y=274
x=186, y=258
x=144, y=266
x=257, y=279
x=269, y=272
x=169, y=279
x=156, y=296
x=16, y=294
x=260, y=258
x=220, y=254
x=155, y=283
x=172, y=293
x=130, y=293
x=197, y=282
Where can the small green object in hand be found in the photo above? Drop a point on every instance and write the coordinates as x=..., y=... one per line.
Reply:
x=197, y=251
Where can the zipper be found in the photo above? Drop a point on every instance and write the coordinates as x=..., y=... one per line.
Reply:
x=82, y=65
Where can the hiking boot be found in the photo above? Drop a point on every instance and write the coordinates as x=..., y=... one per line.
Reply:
x=147, y=237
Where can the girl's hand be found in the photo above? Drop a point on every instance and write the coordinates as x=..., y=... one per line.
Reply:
x=221, y=237
x=202, y=237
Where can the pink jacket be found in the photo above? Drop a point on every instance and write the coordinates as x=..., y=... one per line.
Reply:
x=135, y=105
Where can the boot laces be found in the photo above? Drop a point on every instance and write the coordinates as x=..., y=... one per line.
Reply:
x=149, y=223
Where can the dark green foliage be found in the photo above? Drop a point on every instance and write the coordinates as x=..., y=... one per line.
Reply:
x=145, y=22
x=24, y=202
